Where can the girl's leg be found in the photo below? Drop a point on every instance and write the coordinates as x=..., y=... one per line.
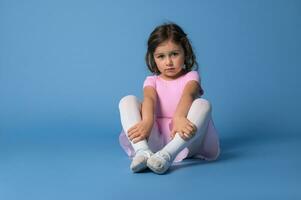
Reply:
x=130, y=108
x=199, y=114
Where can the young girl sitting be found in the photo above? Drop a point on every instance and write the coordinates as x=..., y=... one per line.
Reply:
x=172, y=122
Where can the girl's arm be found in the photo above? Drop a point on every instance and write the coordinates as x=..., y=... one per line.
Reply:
x=190, y=93
x=181, y=124
x=148, y=104
x=142, y=129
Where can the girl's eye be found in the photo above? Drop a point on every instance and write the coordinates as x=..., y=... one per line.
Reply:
x=174, y=54
x=160, y=56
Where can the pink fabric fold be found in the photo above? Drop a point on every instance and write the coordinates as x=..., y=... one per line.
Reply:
x=208, y=148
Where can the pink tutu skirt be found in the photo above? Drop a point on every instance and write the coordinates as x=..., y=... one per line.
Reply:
x=207, y=148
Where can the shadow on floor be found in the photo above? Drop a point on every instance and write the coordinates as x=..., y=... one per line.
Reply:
x=238, y=145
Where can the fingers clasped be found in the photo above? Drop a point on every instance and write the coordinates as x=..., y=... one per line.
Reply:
x=137, y=133
x=187, y=132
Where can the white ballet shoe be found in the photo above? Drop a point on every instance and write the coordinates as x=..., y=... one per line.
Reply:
x=159, y=162
x=139, y=161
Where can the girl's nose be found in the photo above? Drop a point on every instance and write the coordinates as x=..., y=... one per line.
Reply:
x=169, y=61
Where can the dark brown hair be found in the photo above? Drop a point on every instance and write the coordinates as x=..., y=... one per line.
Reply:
x=173, y=32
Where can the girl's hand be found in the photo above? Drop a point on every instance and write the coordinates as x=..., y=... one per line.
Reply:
x=184, y=127
x=140, y=131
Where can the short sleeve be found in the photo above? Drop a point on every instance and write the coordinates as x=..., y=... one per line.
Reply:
x=150, y=81
x=194, y=75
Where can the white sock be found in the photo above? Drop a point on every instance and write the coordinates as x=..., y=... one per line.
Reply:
x=176, y=145
x=140, y=146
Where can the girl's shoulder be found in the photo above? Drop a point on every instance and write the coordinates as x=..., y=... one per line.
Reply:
x=192, y=75
x=150, y=81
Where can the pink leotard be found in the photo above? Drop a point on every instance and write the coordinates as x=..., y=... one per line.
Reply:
x=169, y=93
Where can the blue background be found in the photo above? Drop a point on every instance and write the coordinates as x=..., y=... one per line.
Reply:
x=64, y=66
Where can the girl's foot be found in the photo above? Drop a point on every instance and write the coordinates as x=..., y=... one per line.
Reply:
x=140, y=159
x=159, y=162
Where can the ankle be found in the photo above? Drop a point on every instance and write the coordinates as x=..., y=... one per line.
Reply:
x=144, y=152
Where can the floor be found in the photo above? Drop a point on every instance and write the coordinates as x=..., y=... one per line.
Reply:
x=250, y=167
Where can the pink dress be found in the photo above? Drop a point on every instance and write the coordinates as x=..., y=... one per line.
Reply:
x=169, y=93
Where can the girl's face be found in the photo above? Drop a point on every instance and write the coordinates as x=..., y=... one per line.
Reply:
x=169, y=58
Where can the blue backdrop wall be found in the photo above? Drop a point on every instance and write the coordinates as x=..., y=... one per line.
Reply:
x=64, y=65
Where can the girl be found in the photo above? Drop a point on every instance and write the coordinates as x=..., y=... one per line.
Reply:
x=172, y=122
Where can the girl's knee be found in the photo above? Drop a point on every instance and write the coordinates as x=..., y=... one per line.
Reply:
x=203, y=104
x=127, y=99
